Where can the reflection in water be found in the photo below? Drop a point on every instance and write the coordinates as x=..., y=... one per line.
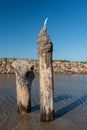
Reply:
x=70, y=104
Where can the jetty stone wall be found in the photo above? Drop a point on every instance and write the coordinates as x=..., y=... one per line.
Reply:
x=59, y=67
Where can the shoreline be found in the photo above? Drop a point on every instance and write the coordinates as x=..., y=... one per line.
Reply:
x=59, y=67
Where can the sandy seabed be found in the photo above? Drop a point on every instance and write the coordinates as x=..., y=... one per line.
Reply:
x=70, y=105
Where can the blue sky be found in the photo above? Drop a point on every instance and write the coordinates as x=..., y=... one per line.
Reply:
x=22, y=20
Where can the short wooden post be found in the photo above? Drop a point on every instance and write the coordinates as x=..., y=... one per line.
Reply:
x=45, y=49
x=24, y=77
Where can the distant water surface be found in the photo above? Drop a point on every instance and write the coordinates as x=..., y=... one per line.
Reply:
x=70, y=104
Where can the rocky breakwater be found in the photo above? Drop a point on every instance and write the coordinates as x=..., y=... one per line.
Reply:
x=59, y=67
x=6, y=66
x=69, y=67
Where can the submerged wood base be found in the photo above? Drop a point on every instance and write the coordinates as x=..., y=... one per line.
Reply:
x=23, y=109
x=47, y=117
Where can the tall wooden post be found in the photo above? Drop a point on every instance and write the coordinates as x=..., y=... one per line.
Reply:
x=24, y=77
x=45, y=49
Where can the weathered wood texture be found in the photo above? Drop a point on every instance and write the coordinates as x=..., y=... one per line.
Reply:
x=45, y=49
x=24, y=77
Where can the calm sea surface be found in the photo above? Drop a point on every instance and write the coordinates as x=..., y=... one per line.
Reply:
x=70, y=104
